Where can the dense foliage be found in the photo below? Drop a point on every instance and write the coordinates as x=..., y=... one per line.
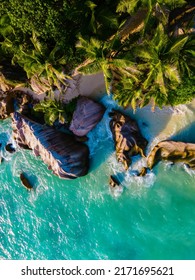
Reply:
x=57, y=21
x=145, y=48
x=148, y=58
x=54, y=110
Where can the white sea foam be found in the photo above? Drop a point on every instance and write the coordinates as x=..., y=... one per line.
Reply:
x=190, y=171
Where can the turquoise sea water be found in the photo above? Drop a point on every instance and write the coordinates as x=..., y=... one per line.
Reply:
x=148, y=218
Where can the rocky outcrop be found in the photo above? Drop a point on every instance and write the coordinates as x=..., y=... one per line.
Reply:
x=11, y=101
x=6, y=105
x=65, y=156
x=86, y=116
x=127, y=137
x=173, y=151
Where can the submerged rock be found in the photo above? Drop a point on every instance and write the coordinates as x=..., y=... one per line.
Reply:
x=86, y=116
x=142, y=172
x=113, y=181
x=25, y=181
x=173, y=151
x=65, y=156
x=127, y=137
x=10, y=148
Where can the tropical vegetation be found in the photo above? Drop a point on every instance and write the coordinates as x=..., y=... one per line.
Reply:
x=55, y=110
x=145, y=48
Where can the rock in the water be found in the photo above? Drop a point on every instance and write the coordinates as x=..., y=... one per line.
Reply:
x=173, y=151
x=142, y=172
x=66, y=157
x=25, y=181
x=86, y=116
x=127, y=137
x=10, y=148
x=113, y=182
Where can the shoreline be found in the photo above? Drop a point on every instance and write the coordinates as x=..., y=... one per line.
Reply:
x=161, y=124
x=92, y=86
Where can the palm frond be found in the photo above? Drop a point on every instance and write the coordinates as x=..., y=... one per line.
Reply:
x=160, y=82
x=172, y=74
x=37, y=45
x=173, y=3
x=122, y=63
x=160, y=38
x=178, y=45
x=91, y=68
x=133, y=76
x=126, y=6
x=144, y=53
x=150, y=78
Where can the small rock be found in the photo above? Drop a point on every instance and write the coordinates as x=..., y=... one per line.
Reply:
x=142, y=172
x=25, y=181
x=10, y=148
x=113, y=182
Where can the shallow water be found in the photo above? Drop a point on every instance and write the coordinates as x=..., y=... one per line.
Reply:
x=147, y=218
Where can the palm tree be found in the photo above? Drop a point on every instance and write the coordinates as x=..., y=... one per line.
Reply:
x=40, y=66
x=139, y=63
x=97, y=61
x=164, y=62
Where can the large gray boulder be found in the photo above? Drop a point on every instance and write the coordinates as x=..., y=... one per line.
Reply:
x=86, y=116
x=173, y=151
x=127, y=137
x=65, y=156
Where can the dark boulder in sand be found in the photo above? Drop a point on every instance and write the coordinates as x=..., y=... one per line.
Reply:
x=127, y=137
x=86, y=116
x=173, y=151
x=65, y=156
